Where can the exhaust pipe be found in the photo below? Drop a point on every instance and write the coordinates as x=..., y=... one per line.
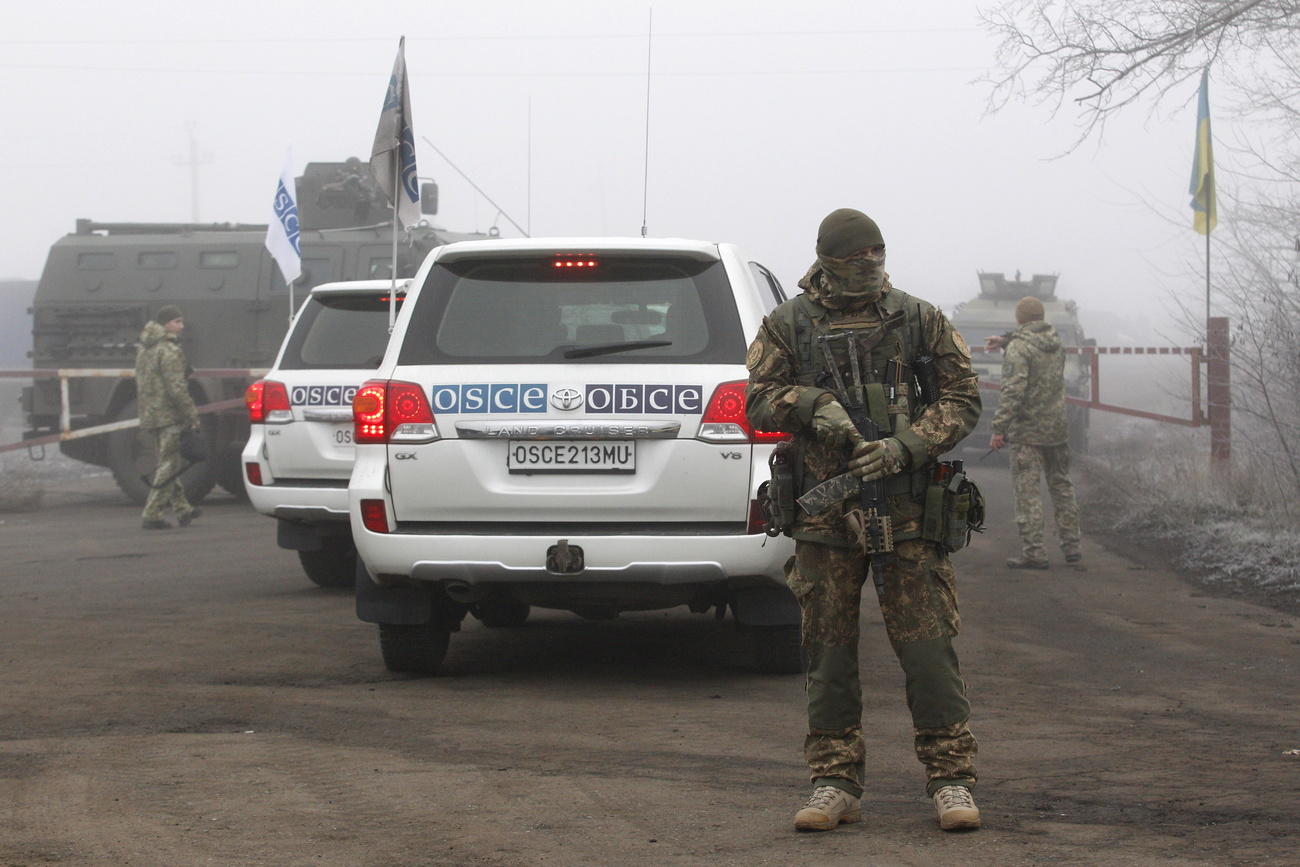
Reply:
x=461, y=591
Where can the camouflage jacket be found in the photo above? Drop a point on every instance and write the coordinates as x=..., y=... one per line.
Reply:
x=161, y=392
x=1031, y=410
x=783, y=394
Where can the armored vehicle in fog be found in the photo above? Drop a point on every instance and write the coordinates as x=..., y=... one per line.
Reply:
x=992, y=312
x=103, y=281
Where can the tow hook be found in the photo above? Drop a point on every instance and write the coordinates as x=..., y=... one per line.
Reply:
x=563, y=558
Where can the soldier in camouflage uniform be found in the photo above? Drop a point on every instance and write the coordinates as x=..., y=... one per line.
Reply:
x=1031, y=418
x=847, y=289
x=166, y=409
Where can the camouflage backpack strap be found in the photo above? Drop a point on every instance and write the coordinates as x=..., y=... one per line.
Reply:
x=804, y=329
x=910, y=343
x=911, y=338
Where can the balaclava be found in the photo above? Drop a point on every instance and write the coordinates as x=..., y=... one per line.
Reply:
x=850, y=278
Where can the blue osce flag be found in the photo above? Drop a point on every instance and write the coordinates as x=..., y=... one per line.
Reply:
x=282, y=230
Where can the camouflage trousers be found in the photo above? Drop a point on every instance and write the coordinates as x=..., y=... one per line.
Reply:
x=172, y=494
x=1029, y=464
x=919, y=605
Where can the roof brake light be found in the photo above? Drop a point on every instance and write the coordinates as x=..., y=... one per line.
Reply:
x=574, y=261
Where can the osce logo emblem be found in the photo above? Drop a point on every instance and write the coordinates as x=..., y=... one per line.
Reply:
x=488, y=397
x=616, y=398
x=322, y=395
x=601, y=398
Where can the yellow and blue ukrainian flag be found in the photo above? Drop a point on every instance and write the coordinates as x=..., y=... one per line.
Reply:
x=1205, y=213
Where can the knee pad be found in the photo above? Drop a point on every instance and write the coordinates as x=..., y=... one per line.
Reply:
x=936, y=694
x=834, y=694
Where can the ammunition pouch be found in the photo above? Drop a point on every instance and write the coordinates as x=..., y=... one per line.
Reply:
x=954, y=508
x=776, y=497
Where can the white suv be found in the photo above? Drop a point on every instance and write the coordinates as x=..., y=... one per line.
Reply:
x=299, y=452
x=561, y=423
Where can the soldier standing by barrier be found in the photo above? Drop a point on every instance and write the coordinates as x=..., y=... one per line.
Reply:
x=1031, y=418
x=166, y=409
x=851, y=324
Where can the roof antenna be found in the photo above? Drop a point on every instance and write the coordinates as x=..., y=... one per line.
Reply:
x=645, y=189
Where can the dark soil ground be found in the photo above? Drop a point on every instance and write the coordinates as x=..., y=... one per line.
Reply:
x=189, y=698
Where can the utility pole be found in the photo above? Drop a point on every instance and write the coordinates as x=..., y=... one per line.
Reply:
x=194, y=160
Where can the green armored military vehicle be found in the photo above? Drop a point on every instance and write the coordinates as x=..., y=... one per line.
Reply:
x=103, y=281
x=993, y=313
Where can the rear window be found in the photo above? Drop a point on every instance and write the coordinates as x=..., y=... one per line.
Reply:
x=521, y=310
x=337, y=331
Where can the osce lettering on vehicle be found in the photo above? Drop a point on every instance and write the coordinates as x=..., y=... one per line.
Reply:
x=488, y=397
x=621, y=398
x=322, y=395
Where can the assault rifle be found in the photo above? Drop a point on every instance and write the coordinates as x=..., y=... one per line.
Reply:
x=871, y=520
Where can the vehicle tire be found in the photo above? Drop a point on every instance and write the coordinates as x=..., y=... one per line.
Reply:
x=333, y=564
x=418, y=649
x=776, y=649
x=131, y=454
x=229, y=471
x=503, y=613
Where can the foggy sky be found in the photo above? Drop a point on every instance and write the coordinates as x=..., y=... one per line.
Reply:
x=764, y=116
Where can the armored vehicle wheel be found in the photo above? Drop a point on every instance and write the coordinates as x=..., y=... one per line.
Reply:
x=333, y=564
x=776, y=649
x=229, y=471
x=414, y=649
x=131, y=454
x=503, y=613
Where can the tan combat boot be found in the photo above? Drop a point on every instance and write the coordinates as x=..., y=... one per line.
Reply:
x=956, y=808
x=827, y=808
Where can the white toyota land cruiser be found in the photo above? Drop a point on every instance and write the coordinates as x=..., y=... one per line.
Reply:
x=299, y=451
x=561, y=423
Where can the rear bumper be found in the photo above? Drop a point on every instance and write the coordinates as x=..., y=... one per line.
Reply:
x=304, y=505
x=304, y=501
x=607, y=560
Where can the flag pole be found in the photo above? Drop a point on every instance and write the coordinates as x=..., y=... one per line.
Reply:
x=397, y=191
x=1207, y=283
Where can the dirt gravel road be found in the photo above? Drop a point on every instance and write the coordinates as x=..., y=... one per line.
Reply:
x=189, y=698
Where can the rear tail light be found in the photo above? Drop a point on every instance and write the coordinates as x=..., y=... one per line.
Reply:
x=374, y=515
x=389, y=411
x=757, y=519
x=724, y=418
x=268, y=402
x=253, y=471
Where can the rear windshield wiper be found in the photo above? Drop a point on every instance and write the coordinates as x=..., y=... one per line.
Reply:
x=610, y=348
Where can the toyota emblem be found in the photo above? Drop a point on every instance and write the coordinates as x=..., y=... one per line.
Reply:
x=566, y=398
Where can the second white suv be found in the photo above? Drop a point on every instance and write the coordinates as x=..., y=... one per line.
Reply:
x=561, y=423
x=299, y=452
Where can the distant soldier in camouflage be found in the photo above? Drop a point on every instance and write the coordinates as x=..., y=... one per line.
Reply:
x=1031, y=418
x=847, y=289
x=166, y=409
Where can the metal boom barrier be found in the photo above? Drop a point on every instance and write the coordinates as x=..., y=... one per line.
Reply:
x=66, y=432
x=1094, y=401
x=1217, y=408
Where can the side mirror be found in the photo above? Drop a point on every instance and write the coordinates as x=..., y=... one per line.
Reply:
x=429, y=198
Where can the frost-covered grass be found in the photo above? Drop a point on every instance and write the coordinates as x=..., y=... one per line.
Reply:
x=1236, y=531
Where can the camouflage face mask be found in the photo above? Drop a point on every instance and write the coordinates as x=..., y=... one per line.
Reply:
x=857, y=278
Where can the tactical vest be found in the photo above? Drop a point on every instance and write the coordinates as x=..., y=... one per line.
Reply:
x=900, y=338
